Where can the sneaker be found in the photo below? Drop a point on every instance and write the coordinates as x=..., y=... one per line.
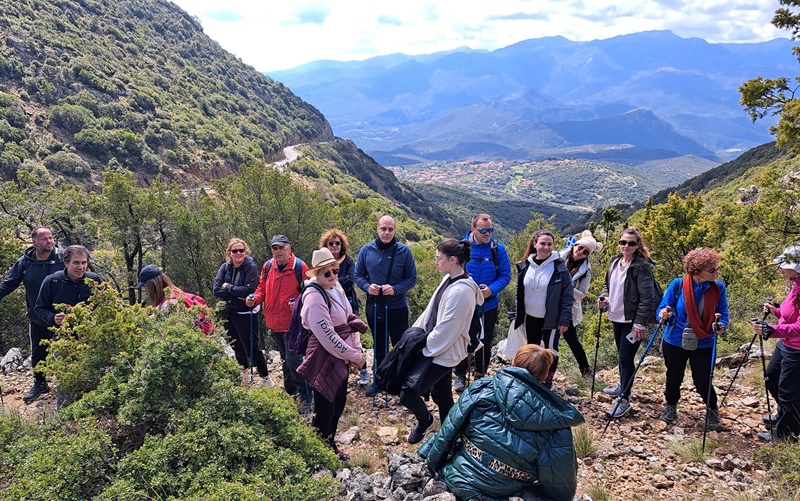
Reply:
x=419, y=430
x=372, y=390
x=770, y=419
x=460, y=383
x=39, y=387
x=267, y=382
x=766, y=436
x=587, y=373
x=714, y=423
x=246, y=376
x=613, y=391
x=619, y=408
x=669, y=415
x=363, y=377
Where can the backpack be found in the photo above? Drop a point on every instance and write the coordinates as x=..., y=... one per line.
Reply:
x=203, y=321
x=298, y=271
x=297, y=336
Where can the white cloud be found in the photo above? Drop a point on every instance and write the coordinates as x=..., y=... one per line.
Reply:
x=279, y=35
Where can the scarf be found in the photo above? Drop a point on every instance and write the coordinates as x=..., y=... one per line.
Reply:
x=383, y=246
x=701, y=324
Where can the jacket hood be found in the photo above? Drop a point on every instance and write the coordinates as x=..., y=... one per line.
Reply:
x=528, y=405
x=469, y=282
x=30, y=254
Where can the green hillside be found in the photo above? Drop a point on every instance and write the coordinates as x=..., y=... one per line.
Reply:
x=134, y=84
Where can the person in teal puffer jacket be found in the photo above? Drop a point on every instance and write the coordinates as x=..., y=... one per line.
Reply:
x=508, y=433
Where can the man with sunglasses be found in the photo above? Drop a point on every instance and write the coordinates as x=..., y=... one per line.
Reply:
x=385, y=271
x=278, y=287
x=490, y=267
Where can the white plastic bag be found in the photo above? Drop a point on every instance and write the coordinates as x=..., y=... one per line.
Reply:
x=517, y=338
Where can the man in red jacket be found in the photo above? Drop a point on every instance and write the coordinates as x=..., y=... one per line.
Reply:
x=278, y=287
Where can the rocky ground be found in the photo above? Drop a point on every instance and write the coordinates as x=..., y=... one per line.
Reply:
x=638, y=457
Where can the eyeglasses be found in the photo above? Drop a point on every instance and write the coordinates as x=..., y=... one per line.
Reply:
x=629, y=243
x=712, y=270
x=327, y=274
x=334, y=244
x=582, y=249
x=237, y=251
x=277, y=247
x=484, y=231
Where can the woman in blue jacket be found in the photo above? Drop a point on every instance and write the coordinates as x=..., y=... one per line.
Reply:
x=691, y=303
x=544, y=295
x=508, y=433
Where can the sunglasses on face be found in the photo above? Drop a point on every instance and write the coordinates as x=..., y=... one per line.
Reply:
x=484, y=231
x=334, y=244
x=582, y=249
x=237, y=251
x=629, y=243
x=327, y=274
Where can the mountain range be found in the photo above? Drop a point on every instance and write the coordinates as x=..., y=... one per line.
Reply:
x=637, y=97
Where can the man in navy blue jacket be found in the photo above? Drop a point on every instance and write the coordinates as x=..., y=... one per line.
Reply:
x=387, y=300
x=64, y=287
x=39, y=260
x=490, y=267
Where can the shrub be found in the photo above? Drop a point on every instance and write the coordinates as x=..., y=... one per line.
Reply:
x=71, y=117
x=67, y=163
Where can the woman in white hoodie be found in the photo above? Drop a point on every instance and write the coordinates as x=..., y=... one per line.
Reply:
x=446, y=320
x=544, y=295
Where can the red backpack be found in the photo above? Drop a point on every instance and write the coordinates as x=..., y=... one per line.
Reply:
x=203, y=321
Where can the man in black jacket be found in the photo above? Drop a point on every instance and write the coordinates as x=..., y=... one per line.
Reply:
x=41, y=259
x=64, y=287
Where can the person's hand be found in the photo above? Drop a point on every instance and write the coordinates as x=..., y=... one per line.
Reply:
x=250, y=301
x=562, y=329
x=665, y=313
x=374, y=289
x=769, y=307
x=225, y=285
x=486, y=291
x=602, y=303
x=59, y=317
x=388, y=290
x=639, y=332
x=762, y=328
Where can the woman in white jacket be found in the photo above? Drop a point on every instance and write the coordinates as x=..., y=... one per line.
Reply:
x=577, y=260
x=446, y=320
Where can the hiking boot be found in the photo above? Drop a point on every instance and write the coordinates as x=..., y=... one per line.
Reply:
x=714, y=423
x=619, y=408
x=39, y=387
x=613, y=391
x=419, y=430
x=372, y=390
x=246, y=376
x=669, y=415
x=766, y=436
x=267, y=382
x=460, y=383
x=587, y=373
x=770, y=419
x=363, y=377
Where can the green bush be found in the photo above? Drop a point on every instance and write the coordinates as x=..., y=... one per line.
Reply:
x=67, y=163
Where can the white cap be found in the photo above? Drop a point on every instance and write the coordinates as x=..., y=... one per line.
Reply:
x=790, y=259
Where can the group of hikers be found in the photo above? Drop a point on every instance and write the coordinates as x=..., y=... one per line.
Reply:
x=508, y=431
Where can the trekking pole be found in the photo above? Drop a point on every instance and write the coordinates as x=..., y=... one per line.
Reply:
x=597, y=344
x=386, y=346
x=623, y=394
x=764, y=368
x=716, y=328
x=374, y=344
x=251, y=346
x=744, y=358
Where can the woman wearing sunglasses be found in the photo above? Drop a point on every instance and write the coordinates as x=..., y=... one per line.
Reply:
x=544, y=295
x=629, y=293
x=577, y=260
x=335, y=346
x=236, y=279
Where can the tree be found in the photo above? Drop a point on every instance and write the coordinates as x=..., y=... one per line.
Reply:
x=776, y=96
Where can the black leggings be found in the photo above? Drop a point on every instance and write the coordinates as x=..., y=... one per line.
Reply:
x=537, y=334
x=784, y=384
x=239, y=331
x=327, y=414
x=675, y=359
x=571, y=337
x=439, y=382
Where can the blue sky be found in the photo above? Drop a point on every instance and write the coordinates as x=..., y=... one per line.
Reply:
x=271, y=35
